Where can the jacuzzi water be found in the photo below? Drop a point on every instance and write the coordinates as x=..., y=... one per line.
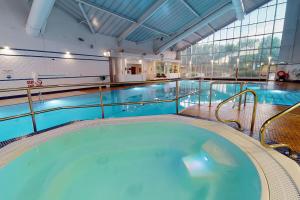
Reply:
x=22, y=126
x=142, y=161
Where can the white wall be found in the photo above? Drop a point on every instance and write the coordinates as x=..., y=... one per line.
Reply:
x=61, y=35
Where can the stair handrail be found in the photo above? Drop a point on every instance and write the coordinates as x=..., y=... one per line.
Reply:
x=240, y=83
x=233, y=97
x=263, y=129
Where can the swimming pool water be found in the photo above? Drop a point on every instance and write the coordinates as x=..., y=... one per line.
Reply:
x=22, y=126
x=132, y=162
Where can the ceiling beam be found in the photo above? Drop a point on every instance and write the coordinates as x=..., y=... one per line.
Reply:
x=142, y=19
x=190, y=8
x=120, y=16
x=38, y=17
x=201, y=23
x=198, y=35
x=86, y=17
x=211, y=27
x=186, y=41
x=239, y=9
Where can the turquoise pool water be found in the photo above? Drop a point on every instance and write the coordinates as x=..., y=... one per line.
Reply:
x=20, y=127
x=133, y=162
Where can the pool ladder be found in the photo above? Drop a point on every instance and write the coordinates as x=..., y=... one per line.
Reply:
x=240, y=94
x=265, y=125
x=240, y=83
x=263, y=130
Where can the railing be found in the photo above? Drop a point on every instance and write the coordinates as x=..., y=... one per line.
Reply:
x=33, y=113
x=232, y=98
x=265, y=125
x=240, y=83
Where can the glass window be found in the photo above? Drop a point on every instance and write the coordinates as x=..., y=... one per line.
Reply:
x=253, y=17
x=217, y=35
x=281, y=11
x=260, y=28
x=273, y=2
x=277, y=40
x=264, y=56
x=252, y=30
x=282, y=1
x=246, y=20
x=257, y=42
x=271, y=13
x=223, y=34
x=269, y=27
x=245, y=31
x=275, y=53
x=237, y=31
x=267, y=41
x=243, y=43
x=230, y=33
x=252, y=41
x=279, y=25
x=262, y=14
x=237, y=23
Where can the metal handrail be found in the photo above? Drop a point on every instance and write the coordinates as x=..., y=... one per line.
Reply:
x=32, y=113
x=96, y=84
x=233, y=97
x=241, y=83
x=263, y=129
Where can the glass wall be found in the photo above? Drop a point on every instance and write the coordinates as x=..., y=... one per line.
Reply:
x=245, y=49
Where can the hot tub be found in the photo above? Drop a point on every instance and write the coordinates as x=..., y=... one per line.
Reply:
x=161, y=157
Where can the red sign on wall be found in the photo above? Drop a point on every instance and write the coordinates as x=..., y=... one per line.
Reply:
x=31, y=83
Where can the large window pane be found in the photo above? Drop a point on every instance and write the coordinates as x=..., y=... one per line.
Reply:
x=262, y=13
x=260, y=29
x=230, y=33
x=252, y=30
x=277, y=40
x=245, y=31
x=252, y=41
x=281, y=11
x=279, y=25
x=269, y=27
x=237, y=31
x=271, y=13
x=253, y=17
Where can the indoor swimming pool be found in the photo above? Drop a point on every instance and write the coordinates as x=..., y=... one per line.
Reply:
x=130, y=161
x=22, y=126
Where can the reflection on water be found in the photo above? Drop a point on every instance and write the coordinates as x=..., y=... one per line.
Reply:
x=199, y=165
x=203, y=164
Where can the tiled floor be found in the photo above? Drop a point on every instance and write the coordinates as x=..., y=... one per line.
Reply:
x=283, y=130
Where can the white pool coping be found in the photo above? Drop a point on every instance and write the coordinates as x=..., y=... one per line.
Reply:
x=279, y=175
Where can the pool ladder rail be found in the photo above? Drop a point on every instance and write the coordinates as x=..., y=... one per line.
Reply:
x=240, y=83
x=263, y=129
x=240, y=94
